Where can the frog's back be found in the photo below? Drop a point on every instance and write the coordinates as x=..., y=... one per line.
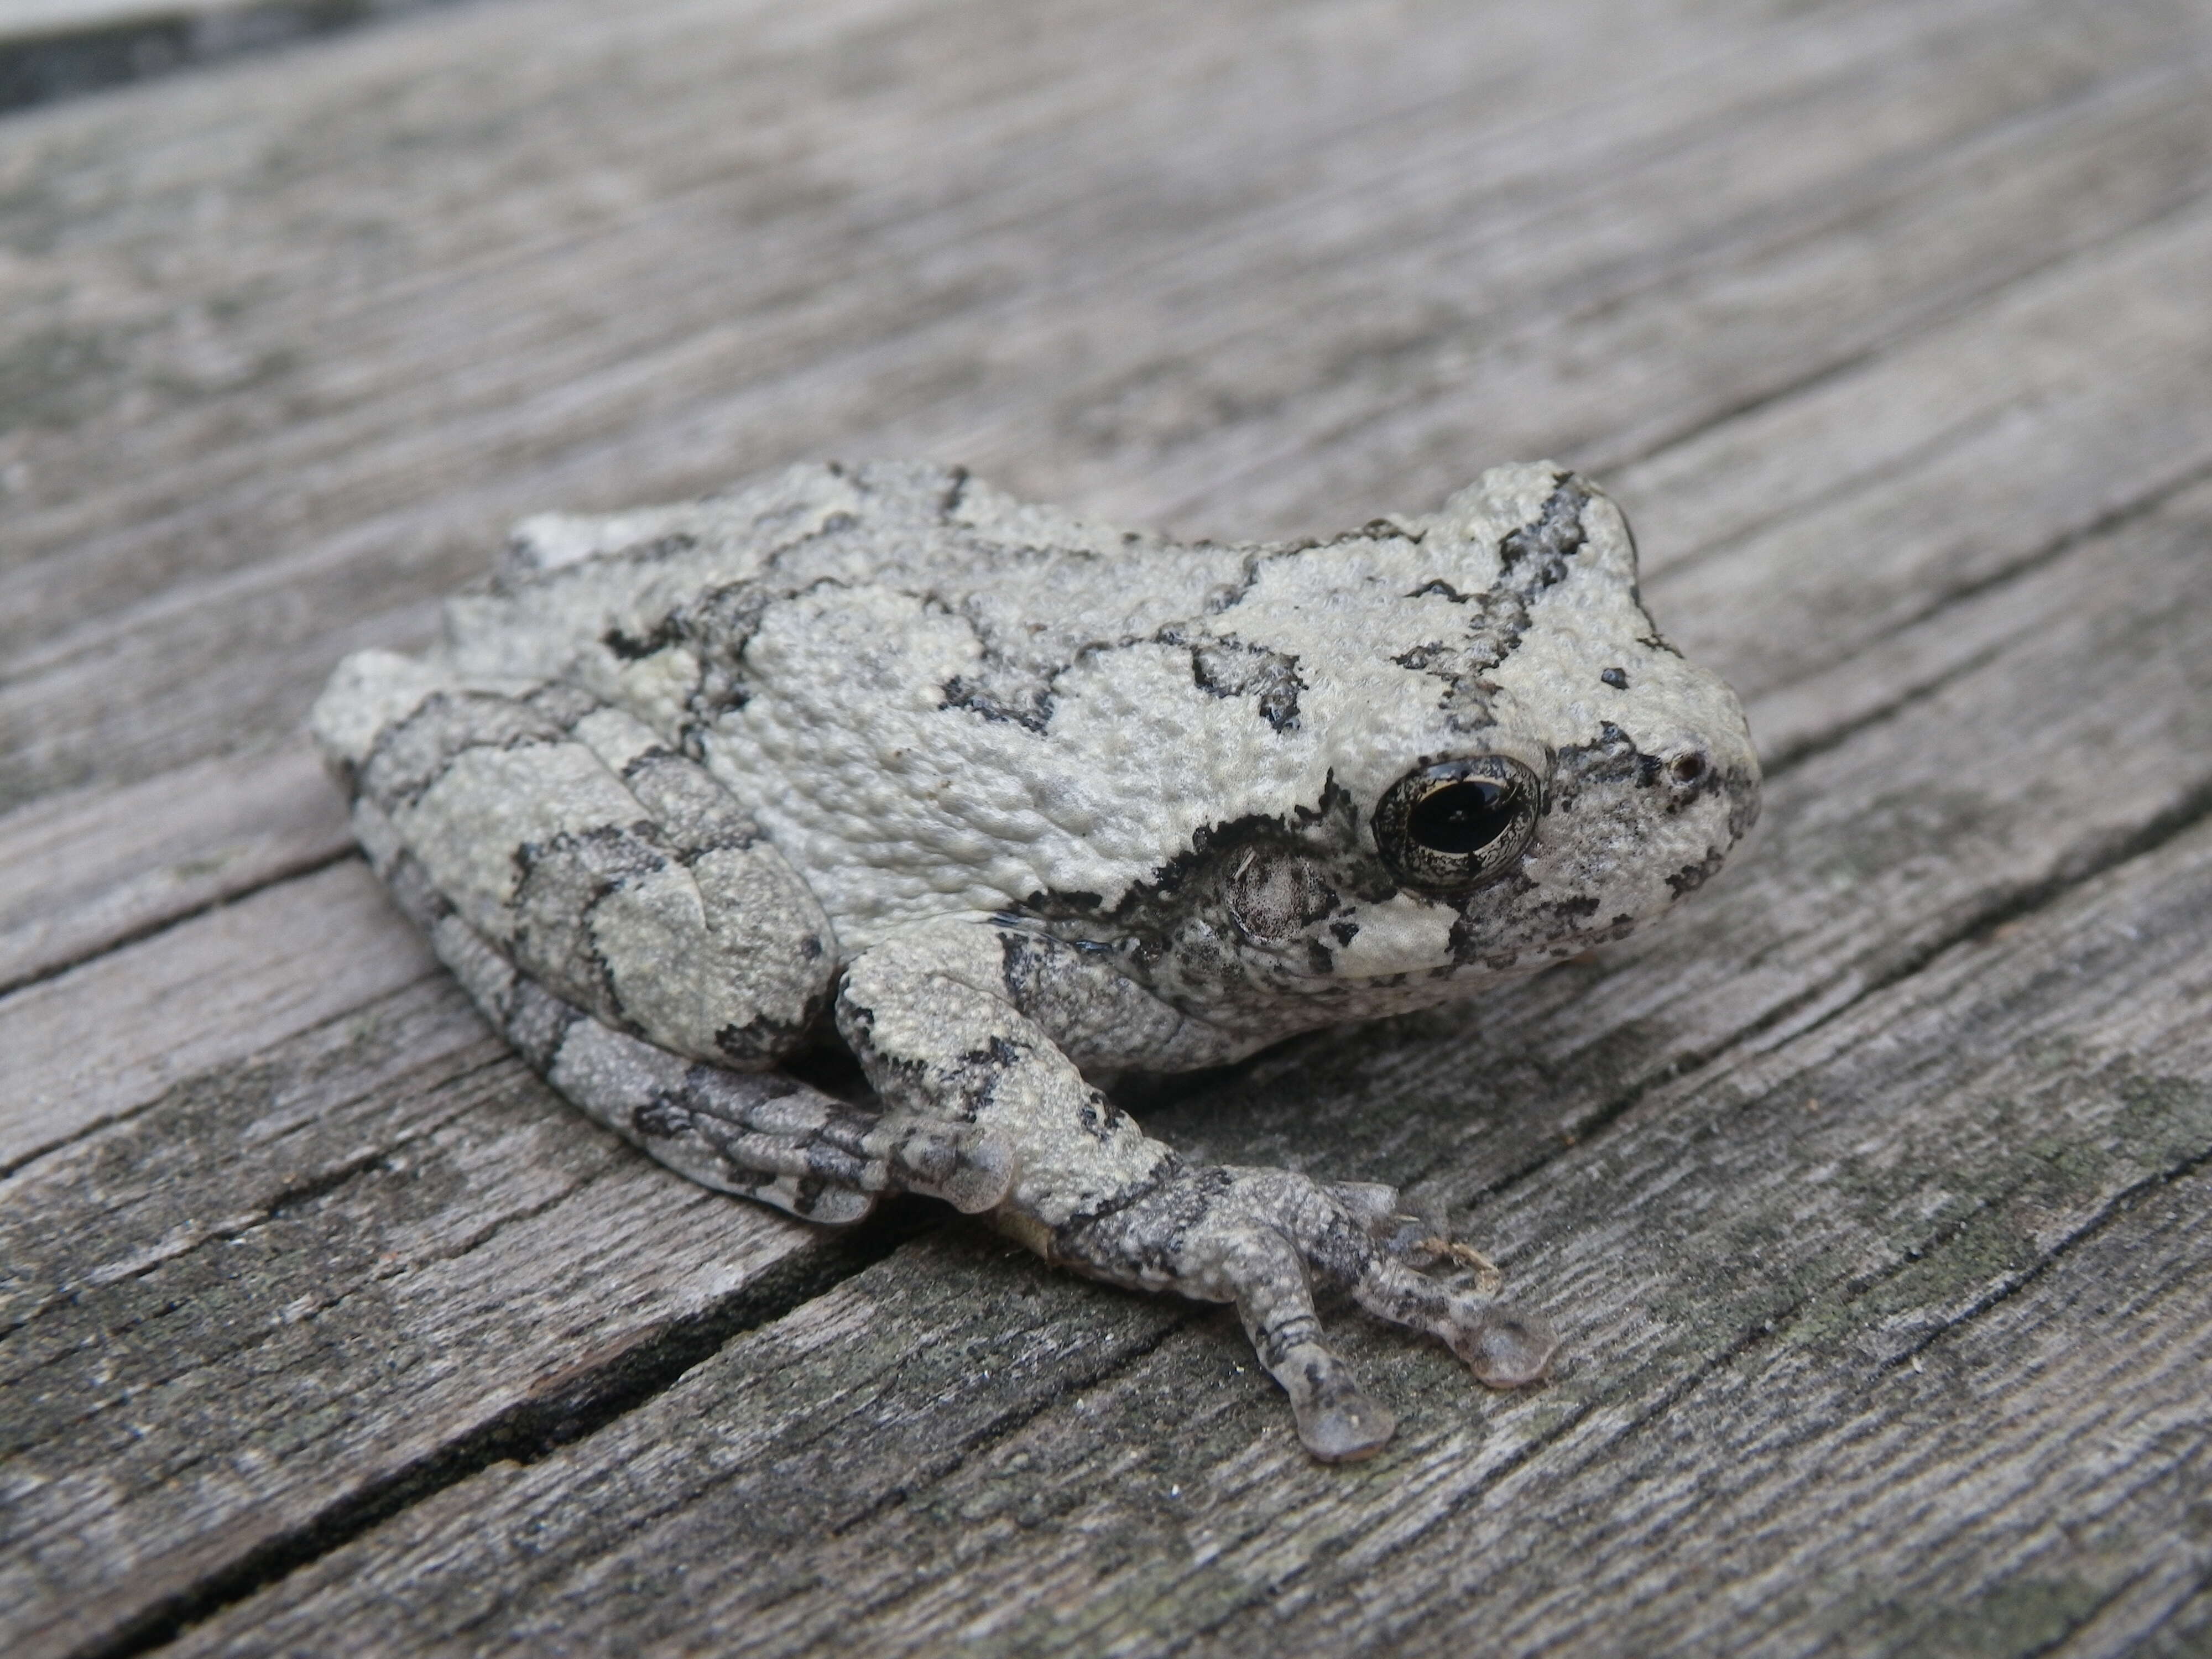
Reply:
x=569, y=582
x=872, y=657
x=937, y=700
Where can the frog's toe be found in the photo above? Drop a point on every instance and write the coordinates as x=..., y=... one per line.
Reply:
x=1502, y=1345
x=1508, y=1348
x=1338, y=1420
x=971, y=1170
x=1343, y=1426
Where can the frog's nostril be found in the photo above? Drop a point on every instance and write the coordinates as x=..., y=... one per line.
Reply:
x=1688, y=768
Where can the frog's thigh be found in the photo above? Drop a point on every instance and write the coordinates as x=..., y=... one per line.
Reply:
x=759, y=1133
x=615, y=872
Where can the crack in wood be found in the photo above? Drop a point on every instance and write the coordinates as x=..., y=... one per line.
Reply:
x=2122, y=1204
x=156, y=927
x=584, y=1400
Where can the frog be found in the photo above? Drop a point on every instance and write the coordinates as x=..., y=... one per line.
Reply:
x=1016, y=806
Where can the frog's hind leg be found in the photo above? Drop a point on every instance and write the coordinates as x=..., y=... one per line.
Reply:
x=762, y=1133
x=613, y=871
x=617, y=916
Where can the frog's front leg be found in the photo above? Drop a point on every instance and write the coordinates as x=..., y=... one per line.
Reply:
x=973, y=1025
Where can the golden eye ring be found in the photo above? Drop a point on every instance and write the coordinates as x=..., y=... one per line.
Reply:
x=1452, y=826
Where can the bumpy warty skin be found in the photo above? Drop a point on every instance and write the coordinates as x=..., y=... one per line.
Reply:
x=681, y=774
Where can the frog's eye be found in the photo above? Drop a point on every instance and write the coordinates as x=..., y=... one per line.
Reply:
x=1454, y=825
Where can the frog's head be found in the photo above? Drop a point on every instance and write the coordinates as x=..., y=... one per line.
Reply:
x=1518, y=767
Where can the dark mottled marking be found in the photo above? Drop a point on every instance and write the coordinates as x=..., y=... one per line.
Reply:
x=969, y=1082
x=1510, y=892
x=762, y=1039
x=1029, y=707
x=1261, y=878
x=697, y=817
x=1743, y=803
x=1535, y=556
x=1557, y=535
x=807, y=1198
x=1173, y=1203
x=1616, y=677
x=1688, y=777
x=631, y=648
x=663, y=1117
x=1099, y=1117
x=411, y=754
x=1612, y=759
x=1027, y=966
x=1440, y=589
x=561, y=882
x=716, y=626
x=1230, y=668
x=1692, y=877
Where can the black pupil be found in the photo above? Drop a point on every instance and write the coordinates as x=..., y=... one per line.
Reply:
x=1461, y=818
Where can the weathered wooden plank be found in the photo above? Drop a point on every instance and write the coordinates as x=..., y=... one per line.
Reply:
x=1883, y=849
x=81, y=872
x=480, y=326
x=1862, y=510
x=515, y=322
x=303, y=1282
x=73, y=712
x=105, y=1039
x=1916, y=238
x=1891, y=1336
x=52, y=49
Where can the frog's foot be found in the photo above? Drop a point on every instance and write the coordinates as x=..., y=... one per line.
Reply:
x=1418, y=1240
x=1258, y=1238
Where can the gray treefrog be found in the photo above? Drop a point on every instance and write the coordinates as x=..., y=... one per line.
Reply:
x=1016, y=803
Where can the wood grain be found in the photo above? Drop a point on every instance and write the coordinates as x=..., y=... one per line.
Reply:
x=88, y=869
x=1865, y=1189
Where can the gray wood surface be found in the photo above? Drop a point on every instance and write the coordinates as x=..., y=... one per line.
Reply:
x=1870, y=1193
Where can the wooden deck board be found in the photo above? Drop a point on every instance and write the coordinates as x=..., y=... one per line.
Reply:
x=1888, y=322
